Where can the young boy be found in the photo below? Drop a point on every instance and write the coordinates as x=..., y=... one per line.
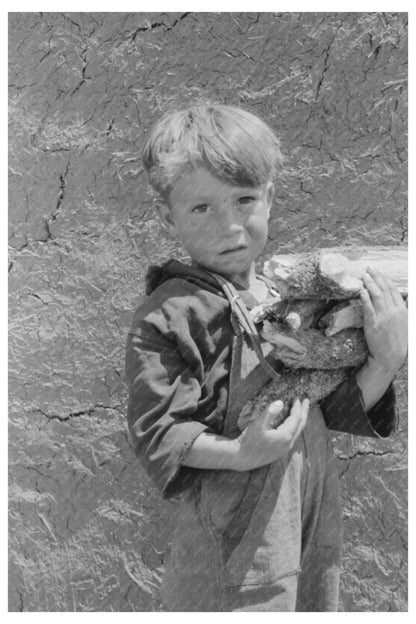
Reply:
x=259, y=525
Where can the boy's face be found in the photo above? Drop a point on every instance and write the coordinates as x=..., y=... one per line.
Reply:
x=222, y=227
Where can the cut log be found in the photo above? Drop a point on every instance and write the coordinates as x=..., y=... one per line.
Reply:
x=335, y=273
x=272, y=308
x=310, y=348
x=297, y=314
x=345, y=314
x=312, y=384
x=319, y=340
x=300, y=314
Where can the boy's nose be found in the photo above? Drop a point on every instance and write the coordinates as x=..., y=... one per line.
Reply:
x=229, y=221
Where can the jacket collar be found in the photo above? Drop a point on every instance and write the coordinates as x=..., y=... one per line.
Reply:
x=157, y=275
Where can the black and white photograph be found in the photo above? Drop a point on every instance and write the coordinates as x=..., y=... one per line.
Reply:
x=208, y=311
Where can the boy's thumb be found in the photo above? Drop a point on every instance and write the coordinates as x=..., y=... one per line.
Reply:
x=273, y=411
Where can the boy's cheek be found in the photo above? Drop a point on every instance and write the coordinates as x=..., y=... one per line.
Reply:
x=259, y=224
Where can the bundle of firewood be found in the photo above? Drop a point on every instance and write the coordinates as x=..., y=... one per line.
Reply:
x=315, y=324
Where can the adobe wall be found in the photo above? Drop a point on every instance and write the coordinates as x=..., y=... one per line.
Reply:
x=87, y=530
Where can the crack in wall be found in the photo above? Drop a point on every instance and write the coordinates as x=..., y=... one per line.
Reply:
x=326, y=63
x=59, y=201
x=83, y=71
x=155, y=25
x=38, y=298
x=61, y=195
x=86, y=412
x=109, y=127
x=404, y=225
x=363, y=454
x=21, y=601
x=324, y=70
x=71, y=21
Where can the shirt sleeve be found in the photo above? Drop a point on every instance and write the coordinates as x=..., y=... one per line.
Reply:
x=344, y=411
x=163, y=401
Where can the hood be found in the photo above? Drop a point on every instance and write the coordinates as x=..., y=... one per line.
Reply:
x=157, y=275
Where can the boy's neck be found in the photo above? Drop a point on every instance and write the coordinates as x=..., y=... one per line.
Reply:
x=245, y=280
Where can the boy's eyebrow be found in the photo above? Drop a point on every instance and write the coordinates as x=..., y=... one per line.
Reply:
x=237, y=191
x=197, y=197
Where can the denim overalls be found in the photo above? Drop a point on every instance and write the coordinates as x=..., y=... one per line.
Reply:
x=267, y=539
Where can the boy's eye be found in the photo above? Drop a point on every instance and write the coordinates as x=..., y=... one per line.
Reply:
x=200, y=208
x=247, y=199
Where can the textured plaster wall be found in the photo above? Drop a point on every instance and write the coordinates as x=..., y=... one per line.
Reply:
x=87, y=531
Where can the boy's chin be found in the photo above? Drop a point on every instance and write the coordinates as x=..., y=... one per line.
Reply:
x=234, y=271
x=229, y=267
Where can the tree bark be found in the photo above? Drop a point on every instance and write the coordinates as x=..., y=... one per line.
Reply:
x=310, y=348
x=312, y=384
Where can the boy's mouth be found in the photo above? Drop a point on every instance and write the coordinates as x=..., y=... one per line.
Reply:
x=232, y=250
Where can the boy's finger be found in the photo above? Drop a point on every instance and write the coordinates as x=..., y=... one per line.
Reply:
x=295, y=422
x=381, y=281
x=375, y=292
x=303, y=419
x=378, y=289
x=291, y=424
x=378, y=277
x=271, y=413
x=368, y=308
x=394, y=293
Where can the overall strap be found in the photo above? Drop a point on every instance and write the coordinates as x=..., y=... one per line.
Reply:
x=245, y=322
x=269, y=283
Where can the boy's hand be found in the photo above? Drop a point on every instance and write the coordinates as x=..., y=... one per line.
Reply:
x=385, y=322
x=260, y=443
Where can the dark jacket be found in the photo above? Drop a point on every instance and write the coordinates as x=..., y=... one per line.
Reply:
x=178, y=362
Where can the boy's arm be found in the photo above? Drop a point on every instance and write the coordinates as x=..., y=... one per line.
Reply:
x=163, y=400
x=171, y=442
x=365, y=405
x=259, y=444
x=385, y=327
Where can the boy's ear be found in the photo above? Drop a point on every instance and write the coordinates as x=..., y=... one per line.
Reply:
x=269, y=196
x=165, y=214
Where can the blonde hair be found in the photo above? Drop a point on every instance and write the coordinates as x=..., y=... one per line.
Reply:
x=233, y=144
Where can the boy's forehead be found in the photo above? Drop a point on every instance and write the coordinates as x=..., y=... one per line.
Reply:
x=201, y=183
